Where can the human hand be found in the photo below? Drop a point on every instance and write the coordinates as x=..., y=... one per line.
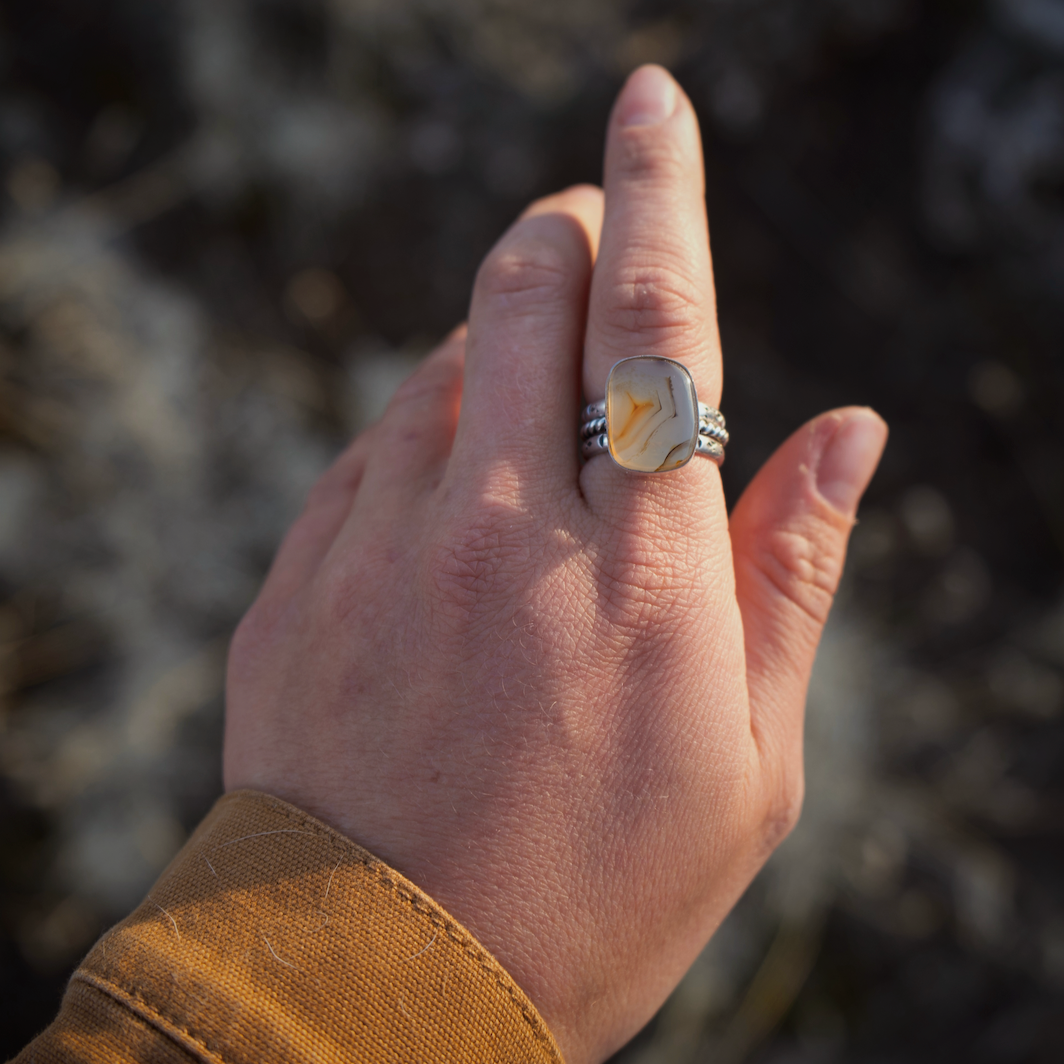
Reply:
x=566, y=702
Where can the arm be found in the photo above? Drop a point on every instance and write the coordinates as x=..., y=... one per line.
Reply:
x=565, y=701
x=272, y=939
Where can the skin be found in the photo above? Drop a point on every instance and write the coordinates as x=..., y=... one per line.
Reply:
x=566, y=702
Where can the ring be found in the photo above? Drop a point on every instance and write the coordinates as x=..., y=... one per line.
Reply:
x=651, y=420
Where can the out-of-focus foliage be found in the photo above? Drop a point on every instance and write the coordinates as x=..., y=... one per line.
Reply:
x=229, y=229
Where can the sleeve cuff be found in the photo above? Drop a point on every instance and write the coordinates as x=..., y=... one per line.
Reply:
x=273, y=938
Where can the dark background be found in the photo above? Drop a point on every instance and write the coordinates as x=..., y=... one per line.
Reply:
x=229, y=229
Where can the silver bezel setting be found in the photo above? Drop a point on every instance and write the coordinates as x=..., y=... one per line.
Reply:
x=712, y=434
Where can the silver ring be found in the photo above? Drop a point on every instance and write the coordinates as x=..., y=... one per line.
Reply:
x=651, y=420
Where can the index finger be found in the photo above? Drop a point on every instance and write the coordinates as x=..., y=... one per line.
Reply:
x=652, y=289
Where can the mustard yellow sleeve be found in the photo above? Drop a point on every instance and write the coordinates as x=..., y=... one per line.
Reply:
x=272, y=939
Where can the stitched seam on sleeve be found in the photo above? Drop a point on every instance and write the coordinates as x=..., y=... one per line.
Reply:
x=136, y=1004
x=424, y=906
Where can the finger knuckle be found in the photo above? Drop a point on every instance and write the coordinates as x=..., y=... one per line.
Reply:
x=525, y=275
x=657, y=303
x=801, y=567
x=356, y=592
x=650, y=159
x=322, y=494
x=343, y=477
x=336, y=484
x=421, y=388
x=782, y=811
x=479, y=565
x=646, y=580
x=421, y=407
x=631, y=608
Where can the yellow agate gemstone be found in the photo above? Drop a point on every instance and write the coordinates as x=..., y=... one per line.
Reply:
x=651, y=414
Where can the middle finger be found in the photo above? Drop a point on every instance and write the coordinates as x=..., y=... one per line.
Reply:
x=652, y=289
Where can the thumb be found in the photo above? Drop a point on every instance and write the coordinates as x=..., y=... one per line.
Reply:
x=789, y=534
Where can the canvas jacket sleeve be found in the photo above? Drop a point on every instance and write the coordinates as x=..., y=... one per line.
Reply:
x=272, y=939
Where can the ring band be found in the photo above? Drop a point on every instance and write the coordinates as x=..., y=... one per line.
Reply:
x=651, y=420
x=710, y=422
x=707, y=447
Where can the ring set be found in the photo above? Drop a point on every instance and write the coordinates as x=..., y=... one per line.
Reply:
x=651, y=420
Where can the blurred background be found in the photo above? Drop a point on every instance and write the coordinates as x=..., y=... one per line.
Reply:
x=227, y=230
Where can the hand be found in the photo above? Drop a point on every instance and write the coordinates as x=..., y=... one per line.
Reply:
x=566, y=702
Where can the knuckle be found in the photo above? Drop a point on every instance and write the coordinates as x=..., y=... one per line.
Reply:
x=801, y=567
x=647, y=578
x=337, y=484
x=356, y=593
x=343, y=477
x=427, y=384
x=321, y=494
x=480, y=565
x=635, y=596
x=527, y=274
x=416, y=390
x=650, y=158
x=656, y=303
x=782, y=811
x=424, y=407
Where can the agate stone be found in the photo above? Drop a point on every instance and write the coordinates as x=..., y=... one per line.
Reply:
x=651, y=414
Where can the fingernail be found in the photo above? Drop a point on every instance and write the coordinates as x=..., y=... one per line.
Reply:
x=649, y=97
x=850, y=458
